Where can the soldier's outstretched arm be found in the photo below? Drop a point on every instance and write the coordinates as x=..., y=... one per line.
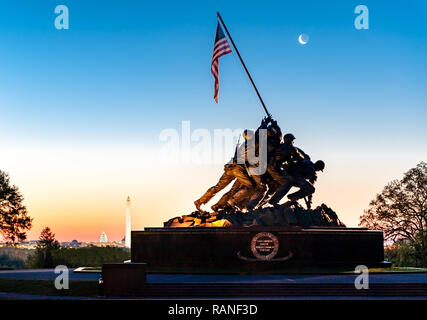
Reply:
x=302, y=153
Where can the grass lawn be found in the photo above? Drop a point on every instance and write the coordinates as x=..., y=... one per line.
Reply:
x=397, y=269
x=47, y=287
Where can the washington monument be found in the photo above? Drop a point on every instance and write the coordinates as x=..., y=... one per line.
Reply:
x=127, y=235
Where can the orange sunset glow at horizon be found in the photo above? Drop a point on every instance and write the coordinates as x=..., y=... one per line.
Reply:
x=80, y=193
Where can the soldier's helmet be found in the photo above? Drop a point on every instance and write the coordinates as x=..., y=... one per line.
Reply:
x=248, y=134
x=289, y=137
x=319, y=165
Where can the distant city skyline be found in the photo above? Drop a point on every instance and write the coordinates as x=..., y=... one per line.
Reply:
x=82, y=109
x=33, y=243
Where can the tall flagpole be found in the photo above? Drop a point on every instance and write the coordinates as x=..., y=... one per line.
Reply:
x=244, y=66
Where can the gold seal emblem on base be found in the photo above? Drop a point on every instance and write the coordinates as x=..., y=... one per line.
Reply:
x=264, y=246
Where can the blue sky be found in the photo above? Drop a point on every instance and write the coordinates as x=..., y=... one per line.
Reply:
x=126, y=70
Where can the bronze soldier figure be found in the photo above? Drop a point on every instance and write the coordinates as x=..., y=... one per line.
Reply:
x=285, y=155
x=244, y=197
x=247, y=149
x=305, y=169
x=287, y=167
x=235, y=169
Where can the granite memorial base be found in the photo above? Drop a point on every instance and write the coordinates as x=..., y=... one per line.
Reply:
x=123, y=279
x=255, y=249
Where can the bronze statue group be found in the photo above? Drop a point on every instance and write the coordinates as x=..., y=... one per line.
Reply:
x=286, y=166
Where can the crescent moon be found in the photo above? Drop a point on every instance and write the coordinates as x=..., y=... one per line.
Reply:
x=300, y=39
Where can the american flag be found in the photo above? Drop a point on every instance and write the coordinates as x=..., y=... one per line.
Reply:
x=221, y=48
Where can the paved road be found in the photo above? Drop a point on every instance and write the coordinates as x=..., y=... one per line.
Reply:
x=45, y=274
x=190, y=279
x=49, y=274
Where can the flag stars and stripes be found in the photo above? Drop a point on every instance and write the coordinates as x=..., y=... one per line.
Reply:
x=221, y=48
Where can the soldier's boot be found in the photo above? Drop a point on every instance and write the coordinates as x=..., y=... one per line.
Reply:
x=223, y=203
x=278, y=206
x=198, y=203
x=308, y=202
x=290, y=203
x=230, y=207
x=218, y=206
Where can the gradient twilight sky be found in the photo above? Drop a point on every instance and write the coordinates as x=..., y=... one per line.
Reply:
x=81, y=110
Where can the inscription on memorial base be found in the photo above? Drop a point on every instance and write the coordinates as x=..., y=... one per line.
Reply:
x=264, y=245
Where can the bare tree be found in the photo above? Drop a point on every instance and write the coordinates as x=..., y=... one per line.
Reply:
x=14, y=219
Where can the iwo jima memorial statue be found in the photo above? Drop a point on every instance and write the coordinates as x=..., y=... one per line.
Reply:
x=248, y=228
